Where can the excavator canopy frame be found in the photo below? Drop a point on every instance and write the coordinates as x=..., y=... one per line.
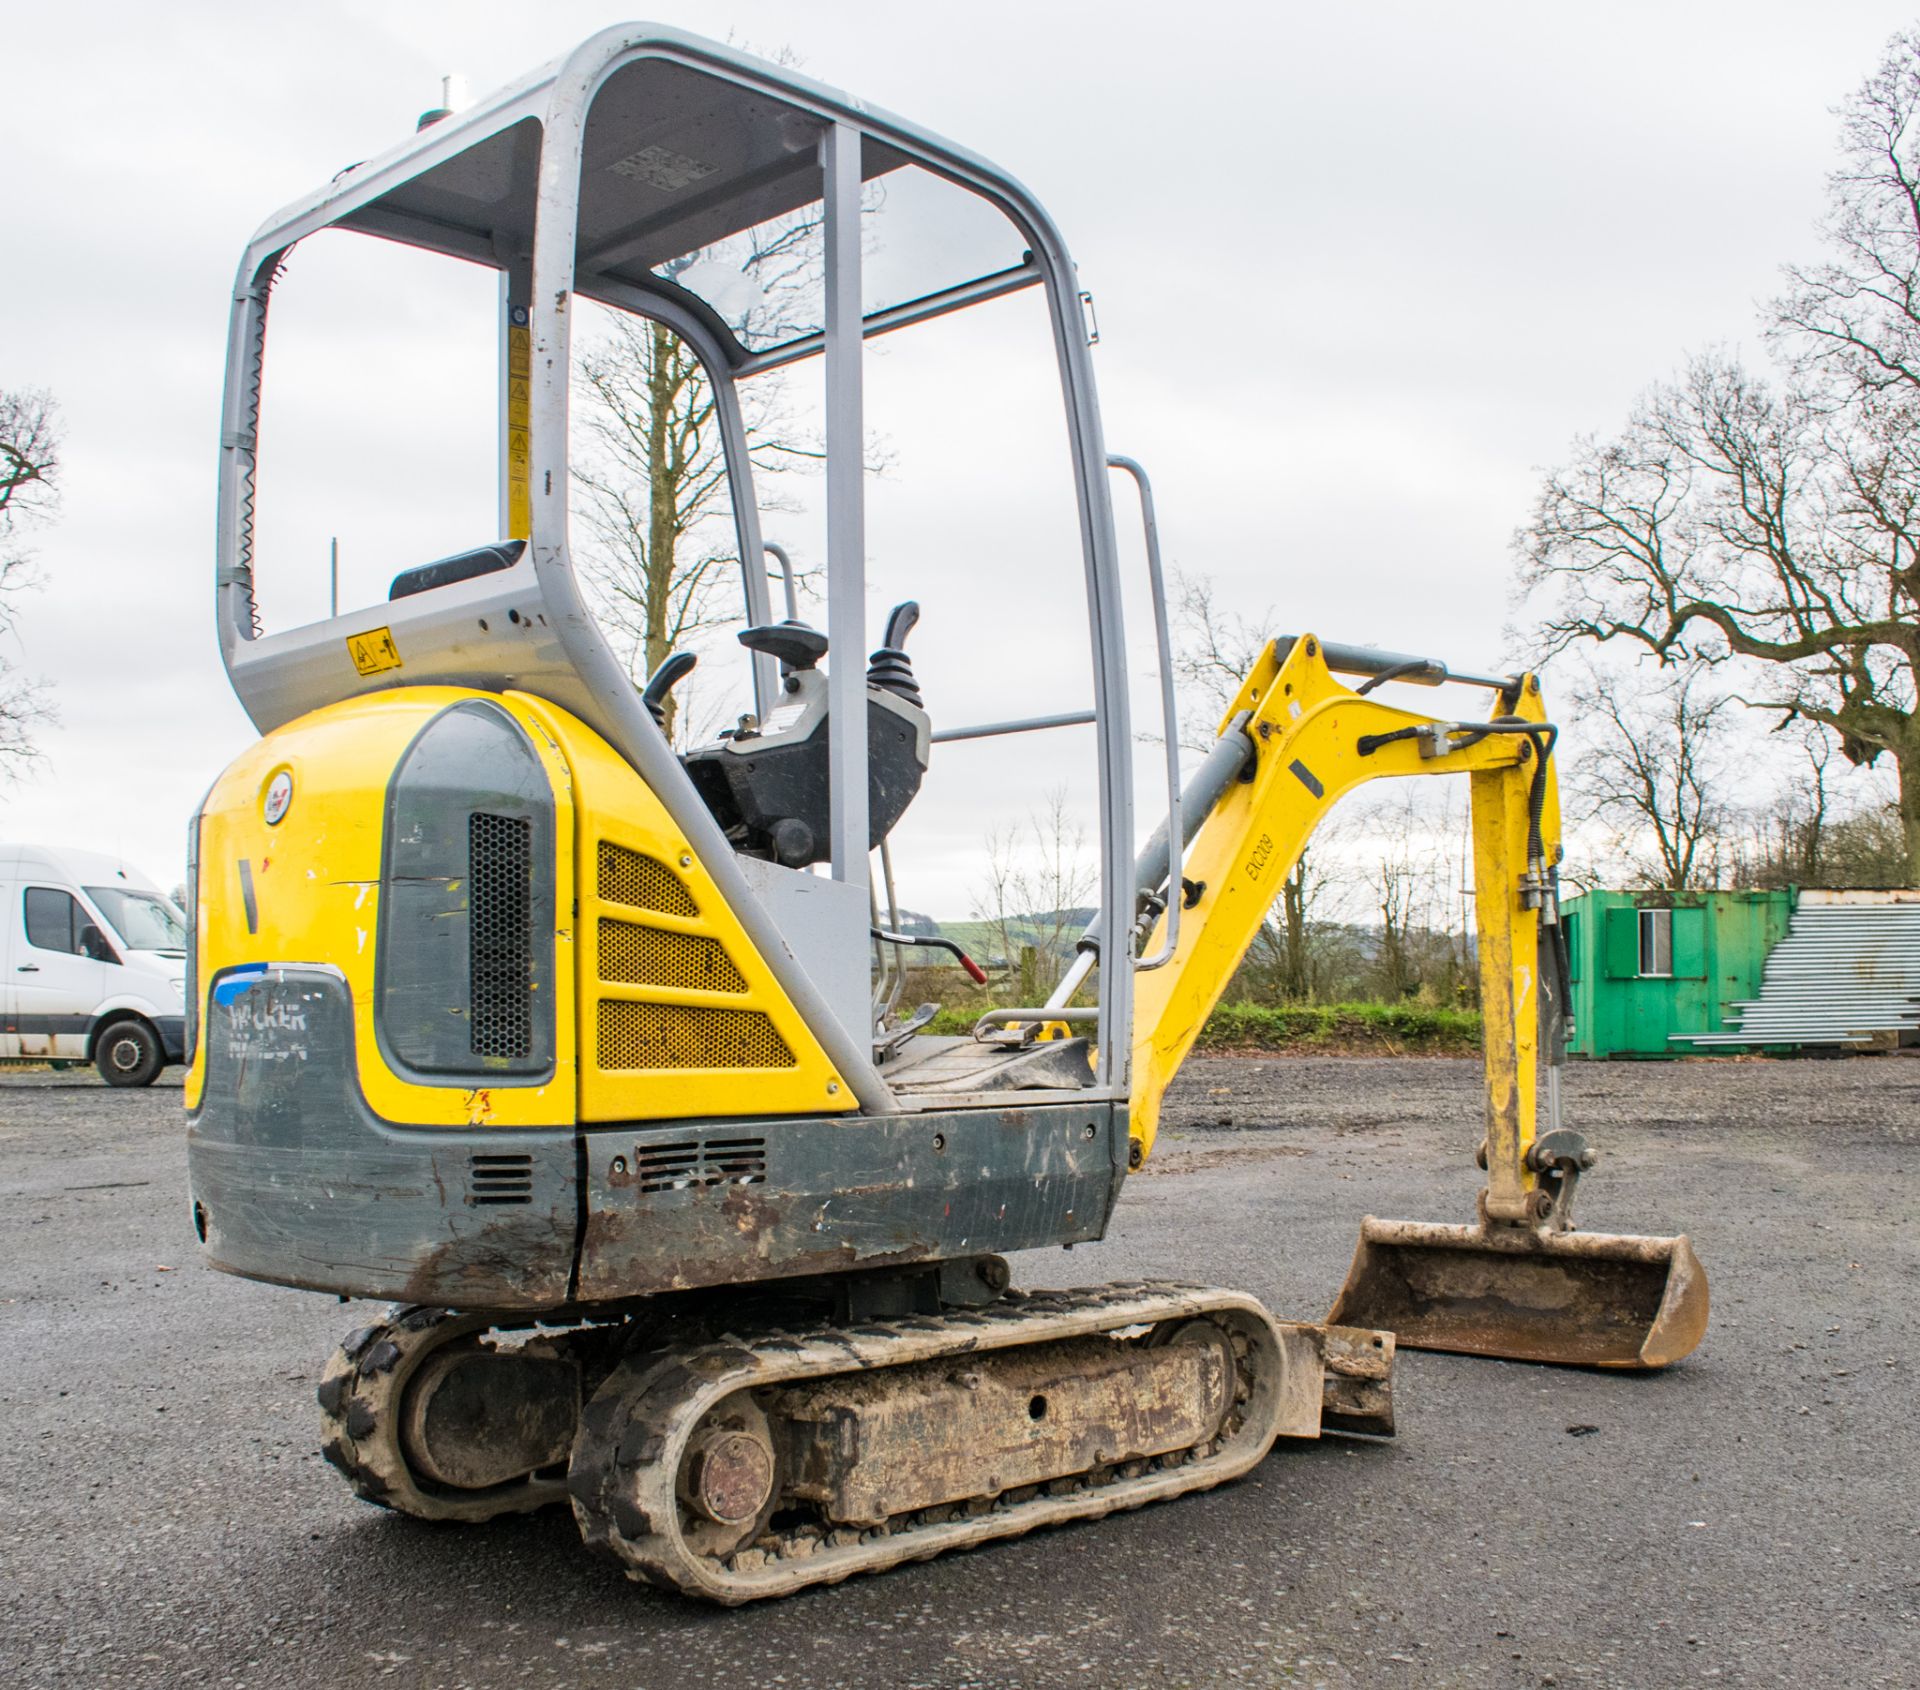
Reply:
x=584, y=179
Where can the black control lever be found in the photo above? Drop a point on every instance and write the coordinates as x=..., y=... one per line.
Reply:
x=890, y=668
x=901, y=622
x=677, y=667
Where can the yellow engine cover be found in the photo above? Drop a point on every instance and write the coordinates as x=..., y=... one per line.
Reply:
x=662, y=1007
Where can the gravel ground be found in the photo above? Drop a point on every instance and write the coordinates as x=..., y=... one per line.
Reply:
x=1747, y=1518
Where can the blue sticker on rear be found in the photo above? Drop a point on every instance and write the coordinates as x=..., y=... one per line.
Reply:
x=231, y=984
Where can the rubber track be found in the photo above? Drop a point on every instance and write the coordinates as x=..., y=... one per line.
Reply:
x=360, y=1396
x=635, y=1429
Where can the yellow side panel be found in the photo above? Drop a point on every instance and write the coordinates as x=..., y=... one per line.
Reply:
x=316, y=889
x=679, y=1015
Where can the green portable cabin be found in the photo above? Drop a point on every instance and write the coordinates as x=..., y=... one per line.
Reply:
x=1648, y=965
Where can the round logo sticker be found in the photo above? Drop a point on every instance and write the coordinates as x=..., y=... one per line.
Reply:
x=279, y=796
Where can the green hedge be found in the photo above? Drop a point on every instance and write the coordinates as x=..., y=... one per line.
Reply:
x=1389, y=1028
x=1386, y=1028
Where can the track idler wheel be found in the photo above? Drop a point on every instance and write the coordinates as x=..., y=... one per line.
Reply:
x=424, y=1417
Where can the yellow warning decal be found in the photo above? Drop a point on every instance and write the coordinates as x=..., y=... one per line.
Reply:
x=373, y=652
x=519, y=395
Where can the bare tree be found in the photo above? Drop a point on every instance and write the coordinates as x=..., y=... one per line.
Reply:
x=655, y=494
x=29, y=458
x=1396, y=883
x=1285, y=959
x=655, y=491
x=1858, y=313
x=1805, y=835
x=1037, y=897
x=29, y=494
x=1657, y=769
x=1416, y=890
x=1213, y=648
x=1792, y=833
x=1296, y=940
x=1865, y=847
x=1778, y=521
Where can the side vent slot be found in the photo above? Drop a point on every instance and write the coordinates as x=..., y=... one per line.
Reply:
x=505, y=1178
x=627, y=877
x=668, y=1036
x=734, y=1161
x=667, y=1167
x=687, y=1163
x=631, y=955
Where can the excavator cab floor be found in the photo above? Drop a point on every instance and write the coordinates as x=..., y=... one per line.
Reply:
x=943, y=1065
x=1570, y=1299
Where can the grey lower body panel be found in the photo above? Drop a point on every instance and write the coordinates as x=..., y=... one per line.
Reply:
x=669, y=1208
x=296, y=1181
x=173, y=1036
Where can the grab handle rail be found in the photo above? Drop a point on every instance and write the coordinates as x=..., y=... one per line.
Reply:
x=1169, y=711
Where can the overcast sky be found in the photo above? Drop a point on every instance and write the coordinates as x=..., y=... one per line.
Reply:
x=1360, y=273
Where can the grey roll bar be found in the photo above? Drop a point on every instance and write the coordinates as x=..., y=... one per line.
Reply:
x=1023, y=725
x=1169, y=706
x=779, y=555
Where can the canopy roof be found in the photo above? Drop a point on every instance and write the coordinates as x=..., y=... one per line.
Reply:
x=684, y=146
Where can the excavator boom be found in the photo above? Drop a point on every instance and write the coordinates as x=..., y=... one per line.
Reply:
x=1519, y=1283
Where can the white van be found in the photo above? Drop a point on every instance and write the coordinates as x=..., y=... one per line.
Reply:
x=93, y=962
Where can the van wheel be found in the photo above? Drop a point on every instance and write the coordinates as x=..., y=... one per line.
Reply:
x=128, y=1054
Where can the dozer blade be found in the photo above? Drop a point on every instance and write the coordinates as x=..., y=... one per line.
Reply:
x=1571, y=1299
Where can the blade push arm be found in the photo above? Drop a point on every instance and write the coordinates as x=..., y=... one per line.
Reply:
x=1316, y=740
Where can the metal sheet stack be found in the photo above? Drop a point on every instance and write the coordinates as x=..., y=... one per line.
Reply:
x=1848, y=969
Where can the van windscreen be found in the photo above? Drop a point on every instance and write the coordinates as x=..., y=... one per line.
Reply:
x=144, y=922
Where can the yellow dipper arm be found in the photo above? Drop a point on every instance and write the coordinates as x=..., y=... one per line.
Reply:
x=1315, y=740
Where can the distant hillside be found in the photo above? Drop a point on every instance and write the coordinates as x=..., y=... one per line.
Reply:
x=985, y=940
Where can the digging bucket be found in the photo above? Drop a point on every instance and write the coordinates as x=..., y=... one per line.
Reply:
x=1573, y=1299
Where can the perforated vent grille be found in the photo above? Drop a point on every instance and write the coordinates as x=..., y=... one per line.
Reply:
x=647, y=956
x=495, y=1179
x=627, y=877
x=690, y=1162
x=500, y=957
x=671, y=1035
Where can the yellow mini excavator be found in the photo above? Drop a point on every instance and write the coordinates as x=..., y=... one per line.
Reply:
x=588, y=1053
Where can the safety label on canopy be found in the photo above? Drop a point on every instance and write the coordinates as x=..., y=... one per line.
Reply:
x=374, y=651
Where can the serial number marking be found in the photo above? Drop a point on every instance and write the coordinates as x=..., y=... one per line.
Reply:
x=1262, y=855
